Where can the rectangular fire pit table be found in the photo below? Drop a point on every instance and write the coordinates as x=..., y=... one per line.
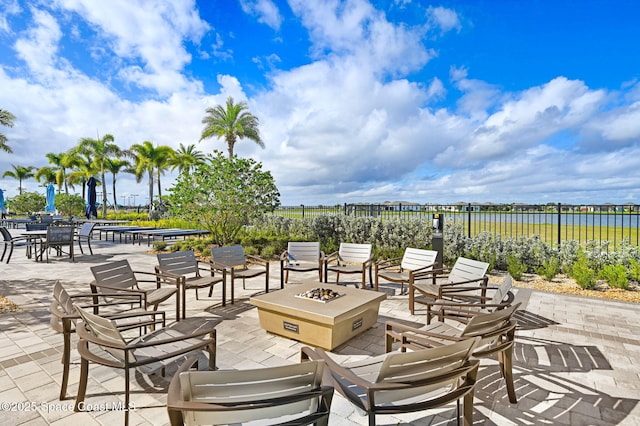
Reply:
x=326, y=325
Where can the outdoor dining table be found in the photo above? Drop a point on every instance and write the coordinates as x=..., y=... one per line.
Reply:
x=34, y=237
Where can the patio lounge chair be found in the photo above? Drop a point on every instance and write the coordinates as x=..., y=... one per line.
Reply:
x=460, y=303
x=11, y=242
x=413, y=264
x=102, y=343
x=125, y=309
x=118, y=276
x=465, y=273
x=58, y=237
x=301, y=256
x=350, y=259
x=291, y=393
x=239, y=265
x=192, y=273
x=496, y=331
x=84, y=234
x=404, y=382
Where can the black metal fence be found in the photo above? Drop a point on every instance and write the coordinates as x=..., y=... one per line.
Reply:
x=554, y=223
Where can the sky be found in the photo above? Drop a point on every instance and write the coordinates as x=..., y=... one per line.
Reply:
x=358, y=101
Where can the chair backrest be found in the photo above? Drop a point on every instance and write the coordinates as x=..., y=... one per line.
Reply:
x=86, y=229
x=247, y=386
x=414, y=259
x=37, y=226
x=105, y=330
x=467, y=269
x=303, y=251
x=63, y=299
x=502, y=291
x=490, y=327
x=354, y=253
x=433, y=366
x=180, y=262
x=116, y=274
x=6, y=235
x=60, y=235
x=229, y=256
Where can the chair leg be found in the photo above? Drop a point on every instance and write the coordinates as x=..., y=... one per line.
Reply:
x=3, y=252
x=411, y=302
x=80, y=246
x=10, y=253
x=506, y=364
x=89, y=245
x=82, y=386
x=184, y=300
x=126, y=396
x=66, y=359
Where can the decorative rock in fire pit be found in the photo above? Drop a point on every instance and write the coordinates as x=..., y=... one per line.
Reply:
x=318, y=294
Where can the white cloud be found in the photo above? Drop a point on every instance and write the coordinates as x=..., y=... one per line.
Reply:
x=266, y=11
x=443, y=18
x=8, y=8
x=151, y=32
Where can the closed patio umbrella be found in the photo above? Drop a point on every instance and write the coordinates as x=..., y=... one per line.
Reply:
x=51, y=199
x=3, y=206
x=91, y=198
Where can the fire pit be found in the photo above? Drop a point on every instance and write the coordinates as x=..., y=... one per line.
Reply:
x=318, y=294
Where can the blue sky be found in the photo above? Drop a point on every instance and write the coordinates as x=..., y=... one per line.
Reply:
x=359, y=101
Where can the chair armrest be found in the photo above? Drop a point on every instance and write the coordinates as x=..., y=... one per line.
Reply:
x=256, y=259
x=424, y=335
x=284, y=256
x=170, y=340
x=388, y=263
x=485, y=279
x=331, y=257
x=334, y=367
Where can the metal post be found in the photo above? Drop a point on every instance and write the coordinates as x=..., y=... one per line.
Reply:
x=559, y=225
x=437, y=239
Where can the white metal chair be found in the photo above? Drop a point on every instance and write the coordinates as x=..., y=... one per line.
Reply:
x=351, y=258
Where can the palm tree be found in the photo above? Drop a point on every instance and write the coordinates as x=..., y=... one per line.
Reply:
x=6, y=119
x=150, y=159
x=82, y=170
x=62, y=162
x=100, y=150
x=47, y=175
x=234, y=122
x=186, y=158
x=115, y=165
x=21, y=173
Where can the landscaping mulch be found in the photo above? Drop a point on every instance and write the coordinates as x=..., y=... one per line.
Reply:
x=7, y=306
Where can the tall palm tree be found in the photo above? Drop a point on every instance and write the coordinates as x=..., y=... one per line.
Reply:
x=62, y=162
x=47, y=175
x=231, y=123
x=82, y=170
x=152, y=160
x=115, y=165
x=186, y=158
x=6, y=119
x=21, y=173
x=100, y=150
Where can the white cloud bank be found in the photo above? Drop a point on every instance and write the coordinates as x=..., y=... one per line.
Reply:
x=349, y=125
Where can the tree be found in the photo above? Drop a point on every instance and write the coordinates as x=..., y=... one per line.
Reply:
x=21, y=173
x=62, y=162
x=234, y=122
x=6, y=119
x=222, y=195
x=100, y=151
x=186, y=158
x=28, y=202
x=115, y=165
x=46, y=175
x=149, y=159
x=70, y=204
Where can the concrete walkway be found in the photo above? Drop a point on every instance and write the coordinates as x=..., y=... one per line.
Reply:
x=577, y=360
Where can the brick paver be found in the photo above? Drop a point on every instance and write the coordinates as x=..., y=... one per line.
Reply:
x=577, y=360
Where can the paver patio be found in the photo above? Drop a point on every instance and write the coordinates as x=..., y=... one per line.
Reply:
x=577, y=360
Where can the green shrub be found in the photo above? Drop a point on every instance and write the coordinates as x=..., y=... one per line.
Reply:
x=615, y=276
x=549, y=269
x=516, y=267
x=582, y=273
x=159, y=245
x=634, y=270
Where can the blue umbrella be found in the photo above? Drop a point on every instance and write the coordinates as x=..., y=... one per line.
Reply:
x=3, y=206
x=51, y=199
x=91, y=198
